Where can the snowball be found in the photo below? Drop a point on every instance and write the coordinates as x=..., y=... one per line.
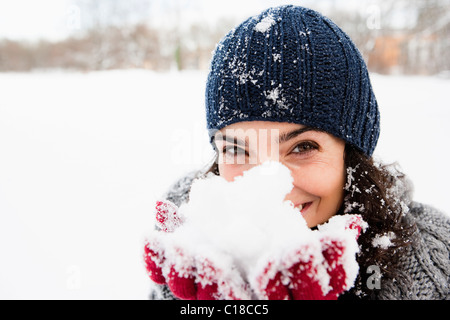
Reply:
x=240, y=226
x=244, y=218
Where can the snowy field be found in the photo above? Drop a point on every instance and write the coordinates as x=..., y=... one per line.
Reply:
x=84, y=156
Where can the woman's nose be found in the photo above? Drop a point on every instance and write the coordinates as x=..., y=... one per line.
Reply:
x=268, y=153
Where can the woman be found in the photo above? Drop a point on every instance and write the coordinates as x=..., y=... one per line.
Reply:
x=289, y=85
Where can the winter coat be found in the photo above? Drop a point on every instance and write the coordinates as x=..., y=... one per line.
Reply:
x=425, y=267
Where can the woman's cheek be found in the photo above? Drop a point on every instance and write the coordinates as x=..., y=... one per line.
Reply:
x=319, y=181
x=230, y=171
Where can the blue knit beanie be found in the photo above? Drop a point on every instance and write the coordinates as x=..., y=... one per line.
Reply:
x=291, y=64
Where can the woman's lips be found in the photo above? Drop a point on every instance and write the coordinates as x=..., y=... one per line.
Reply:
x=303, y=207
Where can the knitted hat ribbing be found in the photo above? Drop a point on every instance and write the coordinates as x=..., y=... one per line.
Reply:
x=291, y=64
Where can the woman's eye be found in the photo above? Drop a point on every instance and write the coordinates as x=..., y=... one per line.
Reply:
x=234, y=155
x=305, y=147
x=234, y=151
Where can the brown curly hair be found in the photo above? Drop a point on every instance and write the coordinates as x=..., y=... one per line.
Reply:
x=379, y=192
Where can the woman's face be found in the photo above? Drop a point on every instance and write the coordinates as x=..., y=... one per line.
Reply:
x=315, y=158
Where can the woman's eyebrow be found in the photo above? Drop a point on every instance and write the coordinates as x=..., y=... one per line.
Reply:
x=284, y=137
x=234, y=140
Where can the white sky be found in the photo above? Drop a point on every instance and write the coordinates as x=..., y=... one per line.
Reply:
x=30, y=19
x=53, y=19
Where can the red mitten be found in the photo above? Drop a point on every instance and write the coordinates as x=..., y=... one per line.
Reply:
x=188, y=276
x=167, y=218
x=322, y=268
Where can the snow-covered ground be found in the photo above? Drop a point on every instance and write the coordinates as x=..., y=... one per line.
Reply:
x=84, y=156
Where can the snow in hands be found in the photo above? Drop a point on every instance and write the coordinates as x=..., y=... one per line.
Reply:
x=242, y=240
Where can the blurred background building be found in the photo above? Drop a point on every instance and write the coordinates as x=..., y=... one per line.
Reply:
x=394, y=36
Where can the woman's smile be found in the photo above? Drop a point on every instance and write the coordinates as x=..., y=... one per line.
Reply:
x=303, y=207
